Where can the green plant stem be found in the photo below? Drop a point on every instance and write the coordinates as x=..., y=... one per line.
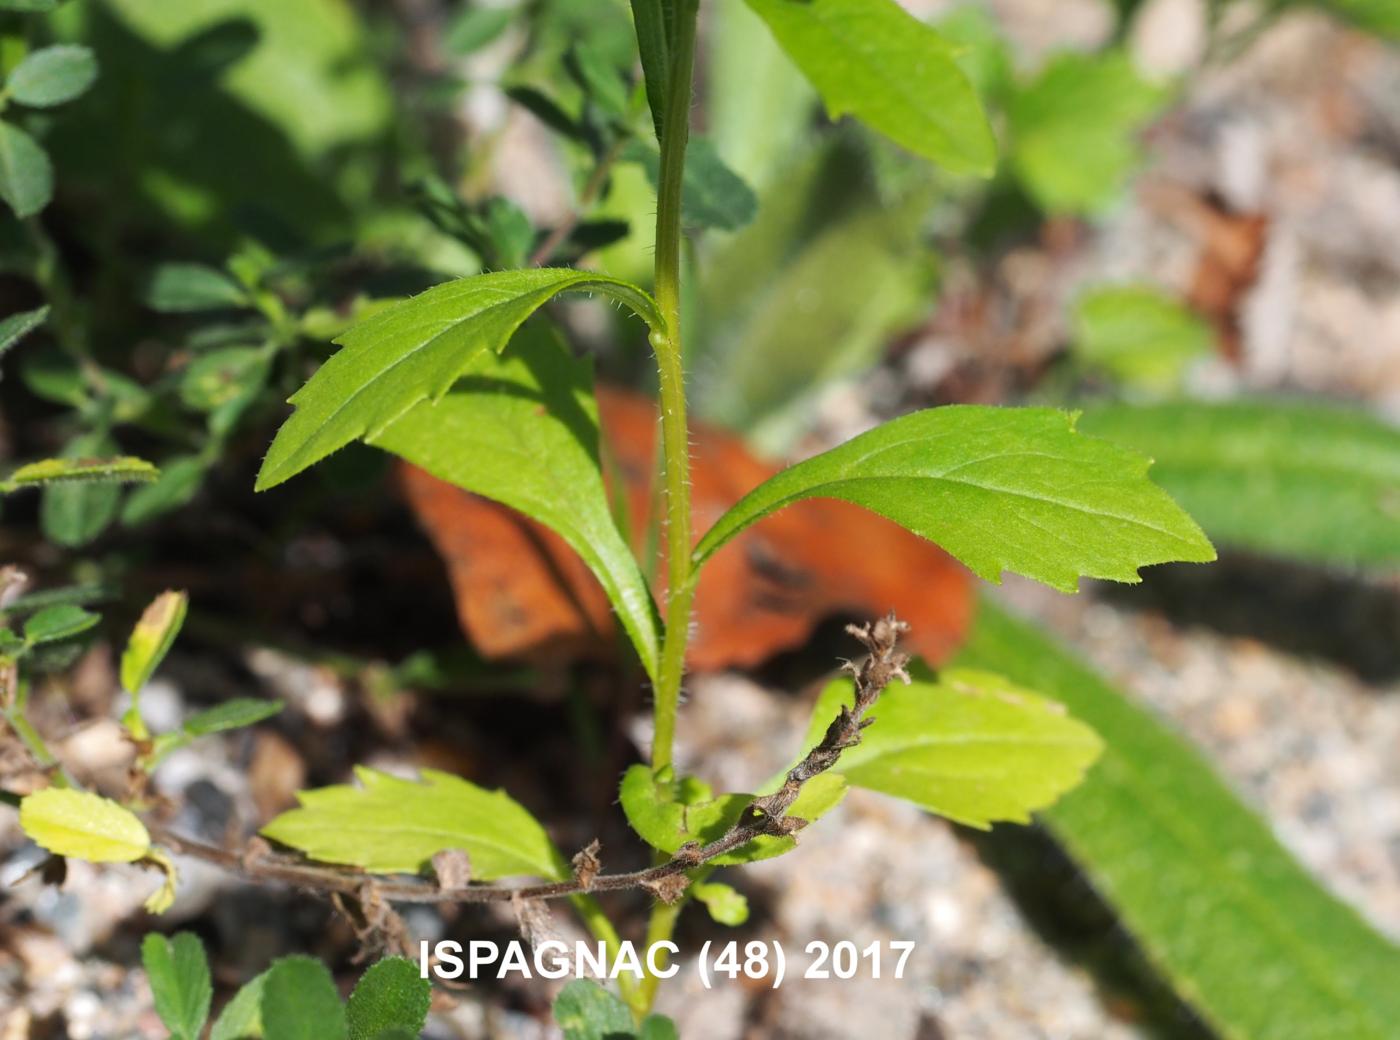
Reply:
x=596, y=920
x=659, y=928
x=666, y=342
x=675, y=436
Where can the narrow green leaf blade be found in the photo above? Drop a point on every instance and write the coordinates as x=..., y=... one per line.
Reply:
x=52, y=76
x=1241, y=930
x=874, y=60
x=586, y=1011
x=83, y=825
x=1000, y=488
x=415, y=351
x=234, y=714
x=26, y=174
x=387, y=825
x=654, y=46
x=152, y=638
x=300, y=1002
x=1291, y=478
x=523, y=430
x=179, y=974
x=390, y=994
x=970, y=746
x=58, y=622
x=17, y=326
x=123, y=470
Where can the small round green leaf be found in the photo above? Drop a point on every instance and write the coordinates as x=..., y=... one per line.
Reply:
x=52, y=76
x=391, y=994
x=26, y=175
x=586, y=1011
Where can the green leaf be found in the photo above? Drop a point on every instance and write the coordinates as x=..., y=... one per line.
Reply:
x=214, y=379
x=781, y=328
x=234, y=714
x=726, y=906
x=668, y=813
x=970, y=746
x=28, y=5
x=123, y=470
x=17, y=326
x=819, y=796
x=1289, y=478
x=657, y=1027
x=1072, y=130
x=390, y=994
x=653, y=20
x=523, y=430
x=52, y=76
x=83, y=825
x=300, y=1002
x=58, y=622
x=476, y=27
x=879, y=63
x=758, y=105
x=712, y=195
x=982, y=49
x=602, y=80
x=586, y=1011
x=241, y=1018
x=1138, y=334
x=179, y=481
x=26, y=175
x=184, y=288
x=152, y=638
x=179, y=974
x=387, y=825
x=52, y=375
x=999, y=488
x=415, y=351
x=1241, y=930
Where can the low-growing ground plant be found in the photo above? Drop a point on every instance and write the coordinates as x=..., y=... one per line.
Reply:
x=468, y=381
x=476, y=382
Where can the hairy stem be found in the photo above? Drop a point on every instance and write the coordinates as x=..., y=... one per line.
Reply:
x=667, y=344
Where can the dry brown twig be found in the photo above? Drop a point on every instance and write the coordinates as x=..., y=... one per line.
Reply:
x=765, y=816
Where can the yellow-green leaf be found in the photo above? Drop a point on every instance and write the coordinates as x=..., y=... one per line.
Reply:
x=416, y=351
x=151, y=638
x=84, y=826
x=970, y=745
x=1001, y=489
x=387, y=825
x=874, y=60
